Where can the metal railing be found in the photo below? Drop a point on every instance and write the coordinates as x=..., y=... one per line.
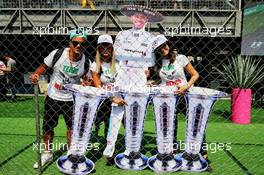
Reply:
x=116, y=4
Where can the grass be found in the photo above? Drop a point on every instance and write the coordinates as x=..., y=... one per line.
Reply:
x=18, y=134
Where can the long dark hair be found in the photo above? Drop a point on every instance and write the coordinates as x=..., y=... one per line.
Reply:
x=159, y=57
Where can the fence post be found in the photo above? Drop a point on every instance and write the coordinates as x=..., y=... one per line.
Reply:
x=36, y=97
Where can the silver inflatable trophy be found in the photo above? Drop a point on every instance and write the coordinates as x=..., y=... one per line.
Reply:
x=86, y=100
x=135, y=110
x=164, y=107
x=200, y=102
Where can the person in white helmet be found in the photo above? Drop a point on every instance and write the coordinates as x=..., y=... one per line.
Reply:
x=133, y=51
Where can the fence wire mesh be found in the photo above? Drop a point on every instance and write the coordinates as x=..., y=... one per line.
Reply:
x=45, y=124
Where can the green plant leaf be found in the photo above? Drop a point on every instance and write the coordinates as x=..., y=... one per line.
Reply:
x=242, y=72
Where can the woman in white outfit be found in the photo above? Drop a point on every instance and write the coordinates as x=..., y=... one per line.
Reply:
x=104, y=71
x=171, y=68
x=104, y=74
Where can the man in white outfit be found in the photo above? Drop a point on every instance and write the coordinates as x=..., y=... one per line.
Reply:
x=133, y=50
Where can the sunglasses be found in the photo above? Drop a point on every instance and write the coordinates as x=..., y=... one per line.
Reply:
x=105, y=46
x=76, y=43
x=163, y=46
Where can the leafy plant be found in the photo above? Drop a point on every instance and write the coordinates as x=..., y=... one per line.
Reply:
x=243, y=72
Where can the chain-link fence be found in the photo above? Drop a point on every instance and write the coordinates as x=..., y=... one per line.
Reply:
x=133, y=81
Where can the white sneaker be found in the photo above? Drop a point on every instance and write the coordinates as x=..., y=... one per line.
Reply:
x=109, y=151
x=68, y=152
x=45, y=158
x=126, y=153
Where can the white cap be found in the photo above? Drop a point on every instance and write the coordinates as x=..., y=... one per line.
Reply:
x=158, y=41
x=105, y=39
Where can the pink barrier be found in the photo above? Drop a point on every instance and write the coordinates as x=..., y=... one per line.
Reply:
x=241, y=106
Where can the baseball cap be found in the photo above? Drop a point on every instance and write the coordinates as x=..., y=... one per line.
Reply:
x=158, y=41
x=105, y=39
x=78, y=33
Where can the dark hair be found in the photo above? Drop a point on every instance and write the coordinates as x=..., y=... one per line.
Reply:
x=2, y=59
x=159, y=58
x=7, y=54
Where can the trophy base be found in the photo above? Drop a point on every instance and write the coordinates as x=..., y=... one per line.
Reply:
x=133, y=161
x=165, y=163
x=193, y=162
x=75, y=165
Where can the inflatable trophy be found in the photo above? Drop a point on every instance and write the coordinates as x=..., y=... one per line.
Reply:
x=200, y=102
x=164, y=107
x=137, y=100
x=86, y=100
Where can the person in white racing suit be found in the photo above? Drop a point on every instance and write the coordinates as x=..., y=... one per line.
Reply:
x=133, y=52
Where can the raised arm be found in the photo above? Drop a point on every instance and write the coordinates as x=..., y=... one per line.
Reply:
x=7, y=69
x=96, y=80
x=34, y=77
x=193, y=73
x=194, y=77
